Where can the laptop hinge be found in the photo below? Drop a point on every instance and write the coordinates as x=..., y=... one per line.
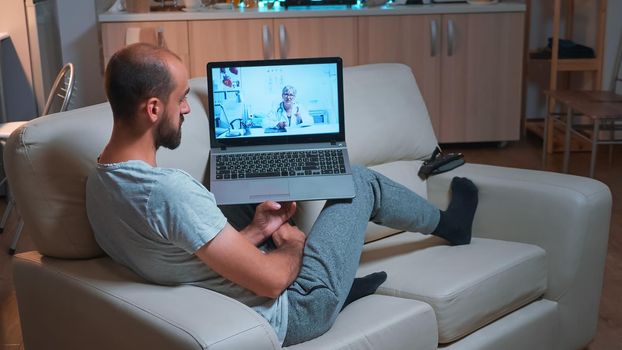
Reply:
x=223, y=148
x=333, y=143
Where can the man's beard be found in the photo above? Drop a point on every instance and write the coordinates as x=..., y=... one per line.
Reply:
x=168, y=136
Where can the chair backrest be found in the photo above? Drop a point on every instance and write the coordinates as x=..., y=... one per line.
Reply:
x=61, y=92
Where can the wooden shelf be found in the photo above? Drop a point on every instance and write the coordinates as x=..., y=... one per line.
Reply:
x=577, y=142
x=579, y=64
x=572, y=64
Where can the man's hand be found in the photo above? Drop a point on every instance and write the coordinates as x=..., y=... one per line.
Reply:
x=288, y=234
x=281, y=125
x=269, y=216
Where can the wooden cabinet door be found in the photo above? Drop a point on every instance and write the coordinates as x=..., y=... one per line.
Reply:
x=171, y=34
x=413, y=40
x=316, y=37
x=481, y=76
x=222, y=40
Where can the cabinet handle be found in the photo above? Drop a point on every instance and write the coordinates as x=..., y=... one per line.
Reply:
x=267, y=46
x=451, y=37
x=282, y=41
x=160, y=37
x=433, y=37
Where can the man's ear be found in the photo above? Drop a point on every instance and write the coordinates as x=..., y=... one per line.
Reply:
x=154, y=109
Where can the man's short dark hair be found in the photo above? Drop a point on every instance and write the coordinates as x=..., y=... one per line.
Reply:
x=134, y=74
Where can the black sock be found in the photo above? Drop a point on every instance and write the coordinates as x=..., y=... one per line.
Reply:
x=364, y=286
x=456, y=222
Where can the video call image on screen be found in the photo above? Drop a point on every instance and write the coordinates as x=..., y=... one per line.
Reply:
x=273, y=101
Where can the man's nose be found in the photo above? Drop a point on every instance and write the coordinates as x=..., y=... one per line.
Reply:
x=185, y=107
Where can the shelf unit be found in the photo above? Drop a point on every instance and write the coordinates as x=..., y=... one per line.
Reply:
x=558, y=66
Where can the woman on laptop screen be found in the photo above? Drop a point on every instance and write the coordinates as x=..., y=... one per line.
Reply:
x=289, y=113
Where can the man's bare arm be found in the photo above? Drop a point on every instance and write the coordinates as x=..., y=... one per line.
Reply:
x=265, y=274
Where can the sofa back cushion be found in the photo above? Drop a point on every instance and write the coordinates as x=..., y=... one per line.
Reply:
x=386, y=117
x=48, y=160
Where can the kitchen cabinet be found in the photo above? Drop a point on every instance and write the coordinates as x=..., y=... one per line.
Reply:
x=171, y=34
x=468, y=67
x=467, y=59
x=317, y=37
x=223, y=40
x=411, y=40
x=244, y=39
x=481, y=77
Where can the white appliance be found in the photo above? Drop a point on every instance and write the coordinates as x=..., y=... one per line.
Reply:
x=45, y=46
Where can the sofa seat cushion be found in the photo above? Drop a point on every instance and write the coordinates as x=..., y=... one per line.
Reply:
x=468, y=286
x=379, y=322
x=534, y=326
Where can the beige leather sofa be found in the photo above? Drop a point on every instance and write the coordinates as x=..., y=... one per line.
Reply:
x=531, y=278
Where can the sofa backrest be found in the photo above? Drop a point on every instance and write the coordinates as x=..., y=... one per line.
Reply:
x=386, y=117
x=48, y=160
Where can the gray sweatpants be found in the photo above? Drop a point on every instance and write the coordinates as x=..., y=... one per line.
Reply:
x=333, y=248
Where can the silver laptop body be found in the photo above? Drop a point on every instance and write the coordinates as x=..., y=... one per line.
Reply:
x=277, y=131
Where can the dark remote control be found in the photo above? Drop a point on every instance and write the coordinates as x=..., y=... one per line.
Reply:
x=440, y=164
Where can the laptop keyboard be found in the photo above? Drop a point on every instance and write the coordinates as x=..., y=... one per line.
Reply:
x=276, y=164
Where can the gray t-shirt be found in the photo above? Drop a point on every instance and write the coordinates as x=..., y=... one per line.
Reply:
x=153, y=220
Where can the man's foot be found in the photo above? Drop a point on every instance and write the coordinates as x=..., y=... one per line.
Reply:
x=364, y=286
x=456, y=222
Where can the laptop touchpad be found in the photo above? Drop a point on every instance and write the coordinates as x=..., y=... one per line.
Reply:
x=269, y=188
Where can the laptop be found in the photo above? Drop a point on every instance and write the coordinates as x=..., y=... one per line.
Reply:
x=277, y=131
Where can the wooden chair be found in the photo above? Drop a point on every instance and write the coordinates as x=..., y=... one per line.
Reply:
x=602, y=109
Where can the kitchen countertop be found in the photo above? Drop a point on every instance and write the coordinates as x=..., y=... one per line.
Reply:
x=205, y=13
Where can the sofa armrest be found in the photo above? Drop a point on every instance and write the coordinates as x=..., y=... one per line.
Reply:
x=568, y=216
x=97, y=304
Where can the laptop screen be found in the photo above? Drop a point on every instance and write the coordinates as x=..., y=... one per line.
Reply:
x=275, y=101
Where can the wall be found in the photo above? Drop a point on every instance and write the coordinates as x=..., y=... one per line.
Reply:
x=45, y=50
x=612, y=40
x=16, y=69
x=79, y=44
x=79, y=36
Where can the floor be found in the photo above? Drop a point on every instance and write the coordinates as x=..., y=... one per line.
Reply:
x=522, y=154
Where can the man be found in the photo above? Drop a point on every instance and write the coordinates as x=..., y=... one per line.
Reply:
x=165, y=226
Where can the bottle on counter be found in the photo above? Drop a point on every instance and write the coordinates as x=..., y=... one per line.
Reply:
x=250, y=3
